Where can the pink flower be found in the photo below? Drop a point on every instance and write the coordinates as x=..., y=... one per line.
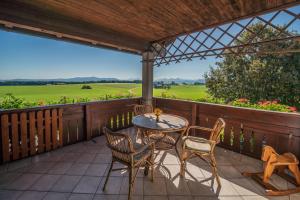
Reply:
x=264, y=103
x=243, y=100
x=293, y=109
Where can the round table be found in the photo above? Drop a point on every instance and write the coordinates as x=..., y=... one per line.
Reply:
x=166, y=125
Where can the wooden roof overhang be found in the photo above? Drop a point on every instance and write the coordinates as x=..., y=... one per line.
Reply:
x=127, y=25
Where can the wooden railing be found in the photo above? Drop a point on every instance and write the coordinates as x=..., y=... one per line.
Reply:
x=247, y=130
x=26, y=132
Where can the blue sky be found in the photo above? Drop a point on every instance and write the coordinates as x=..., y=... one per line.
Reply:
x=25, y=56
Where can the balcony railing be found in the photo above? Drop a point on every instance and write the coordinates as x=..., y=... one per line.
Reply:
x=27, y=132
x=247, y=130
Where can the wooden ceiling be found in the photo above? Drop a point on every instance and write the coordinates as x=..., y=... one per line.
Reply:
x=128, y=25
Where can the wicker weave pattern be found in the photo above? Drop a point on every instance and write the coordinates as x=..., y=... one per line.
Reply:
x=131, y=154
x=207, y=155
x=142, y=109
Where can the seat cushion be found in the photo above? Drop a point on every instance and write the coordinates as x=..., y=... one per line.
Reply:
x=197, y=143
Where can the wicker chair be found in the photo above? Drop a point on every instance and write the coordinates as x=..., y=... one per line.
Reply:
x=133, y=155
x=142, y=109
x=203, y=148
x=139, y=110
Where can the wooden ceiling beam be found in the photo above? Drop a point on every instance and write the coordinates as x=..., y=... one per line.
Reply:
x=126, y=25
x=19, y=17
x=255, y=13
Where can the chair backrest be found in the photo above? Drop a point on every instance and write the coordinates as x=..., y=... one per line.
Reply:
x=142, y=109
x=118, y=141
x=217, y=130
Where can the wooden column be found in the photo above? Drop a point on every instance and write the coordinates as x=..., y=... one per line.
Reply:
x=147, y=77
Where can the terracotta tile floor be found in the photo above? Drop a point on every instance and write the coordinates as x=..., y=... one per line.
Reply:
x=78, y=172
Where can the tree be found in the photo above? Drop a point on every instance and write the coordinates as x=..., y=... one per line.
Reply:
x=257, y=76
x=86, y=87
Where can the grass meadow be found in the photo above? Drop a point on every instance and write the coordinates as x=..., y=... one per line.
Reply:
x=55, y=92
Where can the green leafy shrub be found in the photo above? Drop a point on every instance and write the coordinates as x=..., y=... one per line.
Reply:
x=211, y=100
x=9, y=102
x=65, y=100
x=86, y=87
x=82, y=100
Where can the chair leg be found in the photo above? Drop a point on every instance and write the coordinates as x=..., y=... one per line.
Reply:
x=182, y=168
x=214, y=168
x=183, y=157
x=152, y=169
x=146, y=170
x=130, y=182
x=108, y=174
x=149, y=164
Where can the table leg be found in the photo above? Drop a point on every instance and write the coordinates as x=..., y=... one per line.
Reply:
x=176, y=144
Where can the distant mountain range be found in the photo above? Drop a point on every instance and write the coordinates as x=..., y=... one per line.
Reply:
x=69, y=80
x=179, y=80
x=96, y=79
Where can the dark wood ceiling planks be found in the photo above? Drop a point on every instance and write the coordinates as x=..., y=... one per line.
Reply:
x=128, y=25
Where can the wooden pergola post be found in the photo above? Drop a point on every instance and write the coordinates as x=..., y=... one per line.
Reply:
x=147, y=77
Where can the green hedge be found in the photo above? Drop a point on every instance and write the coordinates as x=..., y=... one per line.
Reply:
x=11, y=102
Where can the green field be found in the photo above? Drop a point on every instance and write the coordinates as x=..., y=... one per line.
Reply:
x=55, y=92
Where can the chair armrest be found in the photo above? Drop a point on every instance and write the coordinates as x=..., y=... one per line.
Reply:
x=198, y=128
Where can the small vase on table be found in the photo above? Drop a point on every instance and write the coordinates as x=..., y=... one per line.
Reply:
x=157, y=113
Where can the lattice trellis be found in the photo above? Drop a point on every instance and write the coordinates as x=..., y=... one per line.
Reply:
x=226, y=39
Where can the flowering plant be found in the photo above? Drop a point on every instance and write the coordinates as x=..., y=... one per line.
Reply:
x=265, y=105
x=242, y=100
x=157, y=112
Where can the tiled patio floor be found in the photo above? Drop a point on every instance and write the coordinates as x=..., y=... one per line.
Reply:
x=77, y=172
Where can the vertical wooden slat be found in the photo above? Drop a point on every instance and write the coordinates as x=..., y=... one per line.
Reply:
x=123, y=120
x=194, y=117
x=32, y=133
x=101, y=125
x=81, y=131
x=54, y=128
x=236, y=141
x=108, y=122
x=73, y=131
x=5, y=138
x=130, y=118
x=24, y=143
x=47, y=130
x=88, y=122
x=15, y=136
x=40, y=130
x=60, y=126
x=126, y=119
x=247, y=142
x=227, y=132
x=66, y=135
x=115, y=122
